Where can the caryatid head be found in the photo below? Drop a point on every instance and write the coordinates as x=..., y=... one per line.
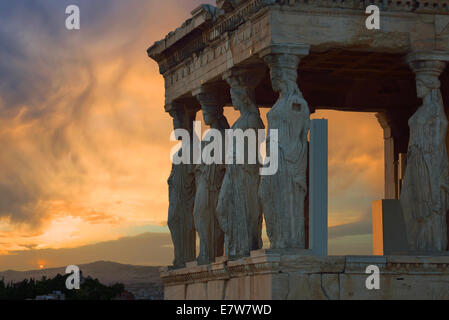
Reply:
x=214, y=117
x=243, y=82
x=427, y=73
x=183, y=117
x=240, y=97
x=425, y=83
x=283, y=71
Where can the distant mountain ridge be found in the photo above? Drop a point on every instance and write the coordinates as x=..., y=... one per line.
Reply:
x=105, y=271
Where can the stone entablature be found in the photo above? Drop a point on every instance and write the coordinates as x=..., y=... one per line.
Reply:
x=268, y=275
x=212, y=41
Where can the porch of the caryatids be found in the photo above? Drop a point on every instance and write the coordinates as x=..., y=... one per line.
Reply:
x=283, y=194
x=425, y=191
x=182, y=192
x=239, y=209
x=209, y=178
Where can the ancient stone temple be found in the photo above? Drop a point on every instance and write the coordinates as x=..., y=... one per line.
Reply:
x=295, y=57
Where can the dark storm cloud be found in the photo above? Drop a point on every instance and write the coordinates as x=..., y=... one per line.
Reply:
x=23, y=22
x=18, y=198
x=51, y=95
x=45, y=79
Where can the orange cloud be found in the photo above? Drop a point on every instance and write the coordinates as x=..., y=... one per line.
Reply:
x=82, y=125
x=85, y=139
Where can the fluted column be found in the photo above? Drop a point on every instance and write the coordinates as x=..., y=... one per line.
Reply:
x=182, y=194
x=239, y=211
x=425, y=192
x=209, y=178
x=283, y=193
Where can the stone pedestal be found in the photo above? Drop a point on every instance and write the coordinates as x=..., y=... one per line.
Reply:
x=271, y=276
x=389, y=235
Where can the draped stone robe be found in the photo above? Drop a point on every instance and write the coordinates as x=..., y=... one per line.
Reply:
x=283, y=193
x=180, y=213
x=239, y=210
x=425, y=192
x=209, y=178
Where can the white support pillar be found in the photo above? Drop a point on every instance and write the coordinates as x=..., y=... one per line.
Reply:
x=318, y=170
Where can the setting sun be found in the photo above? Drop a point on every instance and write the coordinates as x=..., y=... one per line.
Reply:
x=41, y=263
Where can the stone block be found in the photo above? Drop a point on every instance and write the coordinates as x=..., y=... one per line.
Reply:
x=280, y=286
x=313, y=286
x=330, y=283
x=176, y=292
x=395, y=287
x=238, y=288
x=196, y=291
x=215, y=289
x=312, y=264
x=262, y=287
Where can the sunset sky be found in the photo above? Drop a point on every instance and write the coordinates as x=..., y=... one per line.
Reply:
x=85, y=139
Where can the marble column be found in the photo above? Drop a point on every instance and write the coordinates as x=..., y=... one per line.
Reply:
x=283, y=194
x=390, y=156
x=209, y=178
x=390, y=163
x=425, y=191
x=395, y=129
x=182, y=194
x=239, y=210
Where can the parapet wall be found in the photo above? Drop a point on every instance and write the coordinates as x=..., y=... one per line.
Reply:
x=273, y=276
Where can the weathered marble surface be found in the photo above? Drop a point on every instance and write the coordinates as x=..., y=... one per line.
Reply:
x=209, y=178
x=283, y=194
x=298, y=277
x=182, y=197
x=233, y=38
x=213, y=42
x=425, y=191
x=239, y=210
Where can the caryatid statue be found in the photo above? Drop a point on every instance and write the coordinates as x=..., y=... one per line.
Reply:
x=209, y=178
x=182, y=194
x=283, y=194
x=239, y=210
x=425, y=191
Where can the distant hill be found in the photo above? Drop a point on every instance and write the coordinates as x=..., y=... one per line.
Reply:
x=135, y=278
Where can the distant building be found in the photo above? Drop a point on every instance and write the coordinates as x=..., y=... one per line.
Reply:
x=125, y=295
x=56, y=295
x=150, y=293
